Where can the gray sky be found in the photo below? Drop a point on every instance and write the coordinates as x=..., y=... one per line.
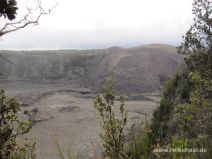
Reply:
x=85, y=24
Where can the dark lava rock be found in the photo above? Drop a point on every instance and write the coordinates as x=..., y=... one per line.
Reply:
x=35, y=115
x=69, y=109
x=35, y=110
x=24, y=104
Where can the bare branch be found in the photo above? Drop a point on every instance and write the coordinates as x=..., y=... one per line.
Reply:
x=26, y=20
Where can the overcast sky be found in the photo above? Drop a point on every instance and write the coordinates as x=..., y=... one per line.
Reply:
x=85, y=24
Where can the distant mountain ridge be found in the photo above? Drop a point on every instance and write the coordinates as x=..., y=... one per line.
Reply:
x=138, y=69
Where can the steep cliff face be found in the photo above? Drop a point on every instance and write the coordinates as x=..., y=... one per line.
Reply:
x=140, y=69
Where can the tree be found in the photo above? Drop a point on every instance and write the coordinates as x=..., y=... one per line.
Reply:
x=189, y=119
x=8, y=10
x=195, y=116
x=198, y=39
x=197, y=45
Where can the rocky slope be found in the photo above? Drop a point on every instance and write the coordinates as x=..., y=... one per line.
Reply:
x=137, y=69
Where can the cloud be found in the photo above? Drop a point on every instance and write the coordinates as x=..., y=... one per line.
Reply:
x=104, y=23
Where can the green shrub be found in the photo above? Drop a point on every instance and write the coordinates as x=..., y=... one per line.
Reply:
x=10, y=128
x=113, y=135
x=141, y=145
